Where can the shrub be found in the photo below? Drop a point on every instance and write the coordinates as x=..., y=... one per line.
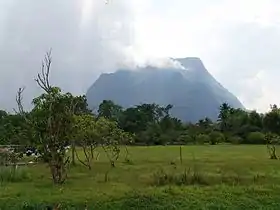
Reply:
x=185, y=138
x=255, y=138
x=216, y=137
x=235, y=140
x=202, y=139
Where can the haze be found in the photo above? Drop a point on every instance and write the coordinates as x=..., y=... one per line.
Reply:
x=238, y=41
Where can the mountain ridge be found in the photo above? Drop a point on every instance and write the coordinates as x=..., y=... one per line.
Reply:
x=192, y=90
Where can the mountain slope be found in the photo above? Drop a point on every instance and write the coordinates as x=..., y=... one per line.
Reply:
x=192, y=91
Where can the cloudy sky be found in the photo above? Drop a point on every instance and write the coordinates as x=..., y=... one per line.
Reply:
x=238, y=41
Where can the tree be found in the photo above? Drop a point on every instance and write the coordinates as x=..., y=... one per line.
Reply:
x=238, y=123
x=216, y=137
x=13, y=130
x=110, y=138
x=223, y=118
x=205, y=124
x=256, y=119
x=80, y=108
x=271, y=120
x=84, y=133
x=271, y=140
x=109, y=110
x=137, y=119
x=50, y=122
x=193, y=130
x=92, y=133
x=3, y=114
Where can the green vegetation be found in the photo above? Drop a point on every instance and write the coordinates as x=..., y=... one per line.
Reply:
x=213, y=168
x=220, y=176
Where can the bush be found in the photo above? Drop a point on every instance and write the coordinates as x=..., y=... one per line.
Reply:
x=255, y=138
x=235, y=140
x=185, y=138
x=216, y=137
x=202, y=139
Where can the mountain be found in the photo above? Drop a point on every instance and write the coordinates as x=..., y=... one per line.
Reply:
x=192, y=90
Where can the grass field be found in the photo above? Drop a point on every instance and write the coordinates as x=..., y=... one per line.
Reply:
x=210, y=177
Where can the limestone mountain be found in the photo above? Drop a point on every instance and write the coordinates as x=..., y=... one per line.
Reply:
x=192, y=90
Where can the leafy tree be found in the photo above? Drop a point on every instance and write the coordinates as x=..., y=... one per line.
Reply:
x=92, y=133
x=13, y=130
x=80, y=107
x=238, y=123
x=228, y=119
x=3, y=114
x=256, y=119
x=216, y=137
x=271, y=140
x=84, y=132
x=109, y=110
x=271, y=120
x=110, y=137
x=136, y=119
x=225, y=111
x=50, y=122
x=193, y=131
x=80, y=104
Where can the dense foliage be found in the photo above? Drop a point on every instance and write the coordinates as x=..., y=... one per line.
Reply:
x=152, y=124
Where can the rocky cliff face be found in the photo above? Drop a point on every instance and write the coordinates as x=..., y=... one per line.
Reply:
x=192, y=90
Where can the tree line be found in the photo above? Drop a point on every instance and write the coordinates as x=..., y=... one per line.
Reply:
x=152, y=124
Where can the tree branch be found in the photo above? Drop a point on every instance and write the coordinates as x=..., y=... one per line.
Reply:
x=43, y=79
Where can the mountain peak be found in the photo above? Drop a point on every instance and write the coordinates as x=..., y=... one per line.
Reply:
x=194, y=63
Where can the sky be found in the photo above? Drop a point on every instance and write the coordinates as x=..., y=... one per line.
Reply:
x=237, y=40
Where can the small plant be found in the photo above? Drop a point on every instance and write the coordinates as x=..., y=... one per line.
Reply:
x=258, y=178
x=271, y=141
x=187, y=177
x=106, y=176
x=234, y=179
x=127, y=159
x=197, y=178
x=160, y=178
x=173, y=163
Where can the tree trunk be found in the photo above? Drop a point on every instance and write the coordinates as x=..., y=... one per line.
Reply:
x=58, y=170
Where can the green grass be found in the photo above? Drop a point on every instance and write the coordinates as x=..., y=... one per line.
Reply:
x=226, y=177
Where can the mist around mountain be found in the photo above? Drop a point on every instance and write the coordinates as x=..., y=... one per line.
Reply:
x=191, y=89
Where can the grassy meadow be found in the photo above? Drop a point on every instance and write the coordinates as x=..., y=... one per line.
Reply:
x=210, y=177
